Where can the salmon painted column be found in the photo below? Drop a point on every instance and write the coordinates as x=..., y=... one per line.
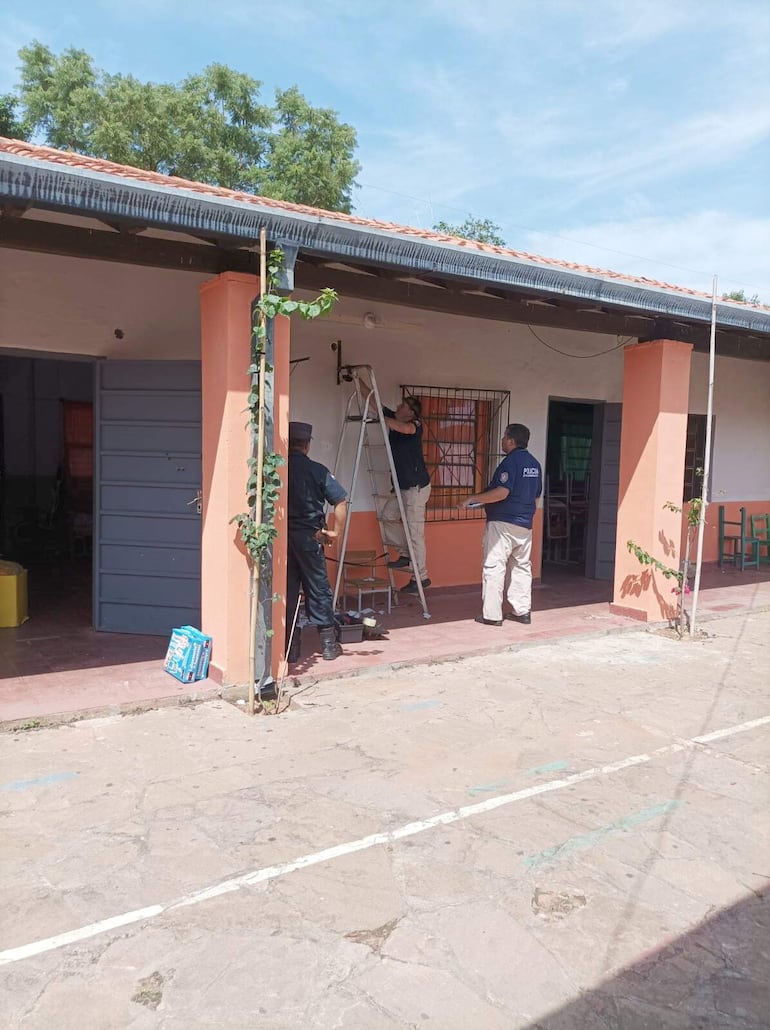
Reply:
x=225, y=575
x=282, y=369
x=656, y=389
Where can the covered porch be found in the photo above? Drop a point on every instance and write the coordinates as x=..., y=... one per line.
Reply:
x=57, y=669
x=178, y=285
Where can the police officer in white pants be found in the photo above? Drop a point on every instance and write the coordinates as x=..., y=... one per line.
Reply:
x=510, y=501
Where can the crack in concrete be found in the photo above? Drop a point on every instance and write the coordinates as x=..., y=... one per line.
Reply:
x=376, y=938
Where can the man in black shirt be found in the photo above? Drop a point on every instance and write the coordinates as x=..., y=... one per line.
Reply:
x=311, y=486
x=405, y=436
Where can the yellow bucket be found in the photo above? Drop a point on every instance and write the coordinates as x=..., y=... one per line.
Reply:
x=13, y=594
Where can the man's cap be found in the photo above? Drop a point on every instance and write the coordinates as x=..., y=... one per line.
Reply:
x=300, y=431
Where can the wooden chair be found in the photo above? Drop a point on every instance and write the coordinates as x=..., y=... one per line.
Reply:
x=760, y=531
x=557, y=523
x=733, y=546
x=359, y=576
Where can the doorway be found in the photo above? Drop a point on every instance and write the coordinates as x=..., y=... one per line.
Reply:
x=567, y=486
x=580, y=492
x=47, y=477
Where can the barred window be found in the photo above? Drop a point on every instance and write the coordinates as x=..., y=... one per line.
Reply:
x=462, y=430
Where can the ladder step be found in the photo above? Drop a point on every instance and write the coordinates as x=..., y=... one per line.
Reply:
x=360, y=418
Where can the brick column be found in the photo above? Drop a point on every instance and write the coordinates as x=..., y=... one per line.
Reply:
x=656, y=389
x=225, y=577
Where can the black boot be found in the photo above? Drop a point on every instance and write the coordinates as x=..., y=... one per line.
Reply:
x=295, y=646
x=329, y=643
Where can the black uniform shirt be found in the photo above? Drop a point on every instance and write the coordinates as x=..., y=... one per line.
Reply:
x=407, y=455
x=311, y=485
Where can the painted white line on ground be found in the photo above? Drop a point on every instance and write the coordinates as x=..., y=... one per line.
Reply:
x=81, y=934
x=363, y=843
x=718, y=734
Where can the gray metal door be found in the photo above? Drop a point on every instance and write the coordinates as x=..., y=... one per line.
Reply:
x=605, y=481
x=148, y=471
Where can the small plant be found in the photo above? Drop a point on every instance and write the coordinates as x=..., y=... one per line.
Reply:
x=681, y=574
x=31, y=724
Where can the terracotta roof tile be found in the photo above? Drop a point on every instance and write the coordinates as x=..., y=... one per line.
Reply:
x=94, y=164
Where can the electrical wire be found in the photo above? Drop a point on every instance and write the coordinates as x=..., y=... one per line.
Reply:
x=568, y=354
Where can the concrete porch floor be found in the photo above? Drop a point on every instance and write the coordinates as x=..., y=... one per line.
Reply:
x=563, y=605
x=56, y=665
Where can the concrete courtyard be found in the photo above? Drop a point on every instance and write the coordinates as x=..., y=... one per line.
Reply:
x=574, y=836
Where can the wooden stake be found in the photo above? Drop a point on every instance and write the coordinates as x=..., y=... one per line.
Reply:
x=255, y=570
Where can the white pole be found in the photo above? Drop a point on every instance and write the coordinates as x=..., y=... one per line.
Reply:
x=706, y=460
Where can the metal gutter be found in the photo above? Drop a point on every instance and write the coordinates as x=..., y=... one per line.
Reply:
x=86, y=192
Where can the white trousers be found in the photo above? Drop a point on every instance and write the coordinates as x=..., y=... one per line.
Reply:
x=504, y=544
x=415, y=500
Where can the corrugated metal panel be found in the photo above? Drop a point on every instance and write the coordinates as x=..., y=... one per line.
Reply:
x=148, y=469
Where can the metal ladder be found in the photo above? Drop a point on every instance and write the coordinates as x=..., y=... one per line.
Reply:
x=358, y=413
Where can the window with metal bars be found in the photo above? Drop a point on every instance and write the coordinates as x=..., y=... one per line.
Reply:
x=462, y=429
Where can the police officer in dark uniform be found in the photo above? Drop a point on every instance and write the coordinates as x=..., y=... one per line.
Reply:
x=311, y=486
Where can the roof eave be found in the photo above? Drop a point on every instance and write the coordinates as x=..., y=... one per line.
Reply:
x=93, y=193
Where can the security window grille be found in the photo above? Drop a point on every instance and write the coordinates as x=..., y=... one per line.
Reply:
x=694, y=456
x=462, y=429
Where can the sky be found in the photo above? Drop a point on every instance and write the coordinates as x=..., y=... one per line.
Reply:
x=632, y=135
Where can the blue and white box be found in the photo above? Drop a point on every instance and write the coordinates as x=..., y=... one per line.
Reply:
x=183, y=655
x=205, y=654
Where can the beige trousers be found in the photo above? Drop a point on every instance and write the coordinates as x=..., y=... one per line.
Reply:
x=415, y=500
x=504, y=544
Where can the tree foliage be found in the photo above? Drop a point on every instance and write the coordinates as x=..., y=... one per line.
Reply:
x=10, y=125
x=740, y=295
x=211, y=127
x=480, y=230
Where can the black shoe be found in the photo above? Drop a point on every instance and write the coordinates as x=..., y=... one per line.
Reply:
x=330, y=646
x=411, y=586
x=488, y=622
x=524, y=619
x=400, y=563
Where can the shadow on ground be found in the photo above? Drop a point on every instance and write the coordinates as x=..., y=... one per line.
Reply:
x=717, y=977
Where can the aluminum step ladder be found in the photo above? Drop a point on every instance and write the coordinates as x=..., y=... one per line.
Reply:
x=365, y=420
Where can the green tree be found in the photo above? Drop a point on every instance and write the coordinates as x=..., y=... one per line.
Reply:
x=740, y=295
x=210, y=127
x=480, y=230
x=10, y=125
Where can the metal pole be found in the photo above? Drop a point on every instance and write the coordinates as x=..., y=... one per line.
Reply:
x=259, y=472
x=706, y=461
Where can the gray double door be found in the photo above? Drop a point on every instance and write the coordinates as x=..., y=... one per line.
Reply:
x=605, y=481
x=148, y=473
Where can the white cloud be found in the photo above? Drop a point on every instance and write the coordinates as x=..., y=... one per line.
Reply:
x=686, y=251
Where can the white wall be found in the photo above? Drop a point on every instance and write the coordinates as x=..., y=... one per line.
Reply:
x=741, y=454
x=73, y=306
x=70, y=305
x=423, y=348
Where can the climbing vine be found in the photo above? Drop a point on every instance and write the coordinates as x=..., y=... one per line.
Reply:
x=258, y=536
x=680, y=575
